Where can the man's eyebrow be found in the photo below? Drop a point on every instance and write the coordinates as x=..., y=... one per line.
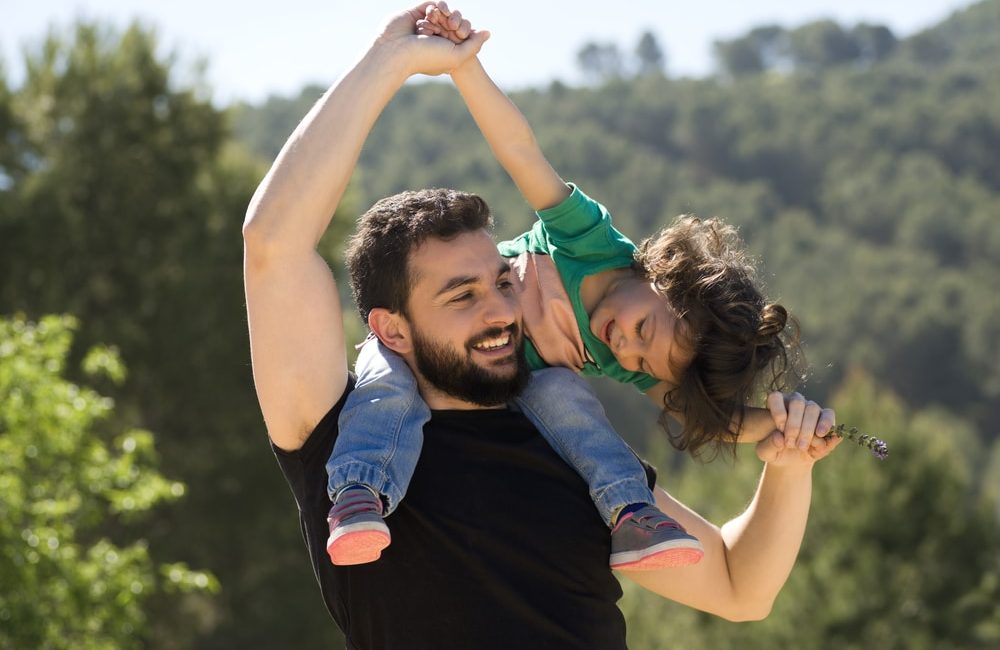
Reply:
x=456, y=282
x=464, y=280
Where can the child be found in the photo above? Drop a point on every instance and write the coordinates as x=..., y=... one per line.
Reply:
x=680, y=319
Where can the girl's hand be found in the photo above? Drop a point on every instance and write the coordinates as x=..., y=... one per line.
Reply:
x=439, y=20
x=798, y=419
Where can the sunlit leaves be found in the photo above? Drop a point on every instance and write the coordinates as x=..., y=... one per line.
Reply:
x=67, y=577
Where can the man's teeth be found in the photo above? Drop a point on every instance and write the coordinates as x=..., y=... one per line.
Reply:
x=493, y=344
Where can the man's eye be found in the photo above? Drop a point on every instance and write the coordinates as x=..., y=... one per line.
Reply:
x=505, y=285
x=462, y=298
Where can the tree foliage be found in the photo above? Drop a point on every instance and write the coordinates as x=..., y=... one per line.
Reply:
x=72, y=572
x=124, y=207
x=650, y=59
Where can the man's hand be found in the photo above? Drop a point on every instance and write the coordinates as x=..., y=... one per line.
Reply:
x=426, y=52
x=802, y=434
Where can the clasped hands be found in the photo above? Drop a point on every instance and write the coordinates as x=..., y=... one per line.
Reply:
x=435, y=39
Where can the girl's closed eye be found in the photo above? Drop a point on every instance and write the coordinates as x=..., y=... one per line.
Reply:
x=638, y=328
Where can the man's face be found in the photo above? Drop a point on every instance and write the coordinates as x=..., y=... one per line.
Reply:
x=466, y=321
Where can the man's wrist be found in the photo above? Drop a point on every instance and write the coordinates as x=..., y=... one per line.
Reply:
x=389, y=59
x=789, y=471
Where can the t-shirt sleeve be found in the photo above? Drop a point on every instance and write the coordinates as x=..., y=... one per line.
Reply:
x=581, y=228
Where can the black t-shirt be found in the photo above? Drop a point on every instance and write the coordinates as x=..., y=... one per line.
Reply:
x=496, y=545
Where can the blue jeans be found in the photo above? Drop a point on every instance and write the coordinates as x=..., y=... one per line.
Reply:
x=381, y=433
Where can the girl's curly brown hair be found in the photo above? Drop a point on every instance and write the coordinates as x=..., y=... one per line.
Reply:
x=742, y=344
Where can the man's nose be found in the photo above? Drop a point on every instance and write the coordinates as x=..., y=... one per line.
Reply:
x=501, y=309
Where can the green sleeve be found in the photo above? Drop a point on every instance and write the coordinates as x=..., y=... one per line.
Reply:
x=580, y=228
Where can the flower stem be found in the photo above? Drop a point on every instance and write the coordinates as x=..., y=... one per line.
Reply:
x=876, y=445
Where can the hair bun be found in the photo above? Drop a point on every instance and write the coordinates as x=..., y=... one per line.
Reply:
x=773, y=319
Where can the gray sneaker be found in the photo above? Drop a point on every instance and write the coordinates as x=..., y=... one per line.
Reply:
x=648, y=539
x=357, y=532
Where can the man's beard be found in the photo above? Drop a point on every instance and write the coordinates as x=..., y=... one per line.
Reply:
x=458, y=376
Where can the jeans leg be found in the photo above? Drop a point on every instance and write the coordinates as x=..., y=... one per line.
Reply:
x=571, y=418
x=380, y=428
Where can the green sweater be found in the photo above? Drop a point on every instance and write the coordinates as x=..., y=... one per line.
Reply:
x=581, y=241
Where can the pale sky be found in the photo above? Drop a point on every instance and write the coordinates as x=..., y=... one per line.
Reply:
x=255, y=49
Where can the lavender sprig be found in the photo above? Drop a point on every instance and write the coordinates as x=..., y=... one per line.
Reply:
x=877, y=446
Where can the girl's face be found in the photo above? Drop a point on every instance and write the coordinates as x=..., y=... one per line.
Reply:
x=641, y=329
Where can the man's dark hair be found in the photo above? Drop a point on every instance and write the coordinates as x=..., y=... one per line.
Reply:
x=741, y=343
x=379, y=252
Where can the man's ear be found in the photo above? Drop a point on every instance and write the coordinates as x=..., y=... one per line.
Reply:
x=392, y=329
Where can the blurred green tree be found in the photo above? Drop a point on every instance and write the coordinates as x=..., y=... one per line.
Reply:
x=763, y=48
x=649, y=56
x=601, y=62
x=820, y=45
x=124, y=208
x=73, y=574
x=875, y=42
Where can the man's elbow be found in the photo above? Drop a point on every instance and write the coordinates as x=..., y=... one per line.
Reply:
x=261, y=238
x=748, y=613
x=254, y=222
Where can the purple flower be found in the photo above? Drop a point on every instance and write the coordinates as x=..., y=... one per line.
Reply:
x=876, y=445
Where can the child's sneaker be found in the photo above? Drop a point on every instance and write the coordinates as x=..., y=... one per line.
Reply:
x=648, y=539
x=357, y=532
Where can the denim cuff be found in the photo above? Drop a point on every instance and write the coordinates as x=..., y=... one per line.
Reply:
x=353, y=472
x=614, y=497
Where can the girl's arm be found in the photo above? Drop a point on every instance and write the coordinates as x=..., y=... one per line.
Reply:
x=510, y=137
x=757, y=422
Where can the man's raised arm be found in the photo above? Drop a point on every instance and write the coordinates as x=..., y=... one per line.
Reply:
x=294, y=313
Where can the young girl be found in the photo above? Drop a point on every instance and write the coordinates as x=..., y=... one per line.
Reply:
x=679, y=317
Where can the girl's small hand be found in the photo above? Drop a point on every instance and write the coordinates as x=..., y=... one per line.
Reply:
x=439, y=20
x=799, y=420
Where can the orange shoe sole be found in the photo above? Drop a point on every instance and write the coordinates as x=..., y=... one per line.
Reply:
x=671, y=557
x=358, y=547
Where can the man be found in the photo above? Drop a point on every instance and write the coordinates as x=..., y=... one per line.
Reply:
x=497, y=543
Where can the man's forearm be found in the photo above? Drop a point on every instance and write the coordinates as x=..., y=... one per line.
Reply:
x=294, y=203
x=763, y=542
x=748, y=560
